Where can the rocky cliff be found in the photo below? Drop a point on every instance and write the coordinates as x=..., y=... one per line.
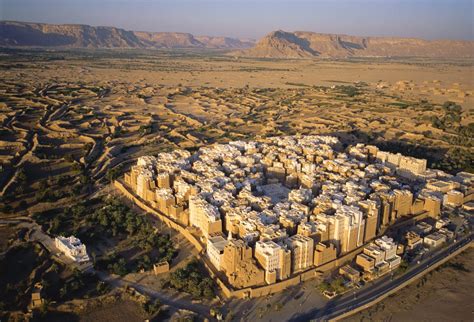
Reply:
x=302, y=44
x=13, y=33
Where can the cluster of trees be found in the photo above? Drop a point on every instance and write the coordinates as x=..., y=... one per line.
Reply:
x=192, y=279
x=79, y=284
x=72, y=286
x=118, y=265
x=21, y=181
x=16, y=267
x=156, y=248
x=50, y=195
x=146, y=129
x=21, y=176
x=28, y=263
x=455, y=160
x=111, y=218
x=403, y=267
x=151, y=307
x=462, y=140
x=46, y=153
x=116, y=219
x=67, y=222
x=114, y=263
x=87, y=148
x=118, y=132
x=142, y=96
x=47, y=219
x=451, y=107
x=48, y=192
x=466, y=130
x=161, y=244
x=113, y=173
x=451, y=118
x=348, y=90
x=401, y=105
x=84, y=178
x=336, y=285
x=4, y=207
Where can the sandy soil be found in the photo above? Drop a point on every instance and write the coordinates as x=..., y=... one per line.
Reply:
x=122, y=311
x=70, y=116
x=227, y=72
x=96, y=109
x=443, y=295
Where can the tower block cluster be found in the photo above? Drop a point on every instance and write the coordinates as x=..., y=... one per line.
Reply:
x=269, y=209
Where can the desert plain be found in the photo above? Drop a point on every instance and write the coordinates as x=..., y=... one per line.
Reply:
x=73, y=120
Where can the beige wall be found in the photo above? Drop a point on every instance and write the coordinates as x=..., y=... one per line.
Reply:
x=162, y=217
x=249, y=291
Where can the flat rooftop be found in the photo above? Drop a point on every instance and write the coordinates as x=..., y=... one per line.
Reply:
x=276, y=191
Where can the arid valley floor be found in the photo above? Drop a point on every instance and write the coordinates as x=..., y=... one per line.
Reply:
x=72, y=121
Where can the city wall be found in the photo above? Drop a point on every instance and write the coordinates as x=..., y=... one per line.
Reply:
x=295, y=280
x=250, y=291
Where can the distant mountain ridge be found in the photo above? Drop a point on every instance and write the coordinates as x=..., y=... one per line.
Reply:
x=277, y=44
x=15, y=33
x=303, y=44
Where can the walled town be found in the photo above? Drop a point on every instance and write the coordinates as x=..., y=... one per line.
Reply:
x=74, y=235
x=270, y=209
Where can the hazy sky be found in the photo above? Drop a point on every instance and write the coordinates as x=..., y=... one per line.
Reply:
x=429, y=19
